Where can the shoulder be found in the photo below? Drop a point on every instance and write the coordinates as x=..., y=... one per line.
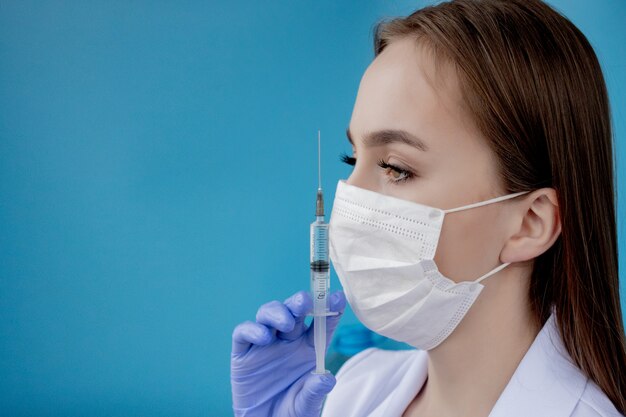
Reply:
x=594, y=403
x=371, y=380
x=547, y=382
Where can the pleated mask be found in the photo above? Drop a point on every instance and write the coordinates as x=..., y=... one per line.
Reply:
x=383, y=249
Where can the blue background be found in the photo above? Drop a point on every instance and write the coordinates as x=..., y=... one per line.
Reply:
x=157, y=181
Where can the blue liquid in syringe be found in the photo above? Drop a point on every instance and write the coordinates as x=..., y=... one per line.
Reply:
x=320, y=242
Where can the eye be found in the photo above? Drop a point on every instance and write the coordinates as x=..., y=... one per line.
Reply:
x=403, y=175
x=347, y=159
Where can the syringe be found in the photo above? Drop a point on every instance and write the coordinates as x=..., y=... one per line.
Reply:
x=320, y=273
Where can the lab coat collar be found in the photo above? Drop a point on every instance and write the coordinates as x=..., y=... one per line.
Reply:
x=546, y=382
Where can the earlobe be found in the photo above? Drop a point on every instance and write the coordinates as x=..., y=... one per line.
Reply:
x=536, y=226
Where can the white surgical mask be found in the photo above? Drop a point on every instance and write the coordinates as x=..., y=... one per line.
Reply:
x=383, y=249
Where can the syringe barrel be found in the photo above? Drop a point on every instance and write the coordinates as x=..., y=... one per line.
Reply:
x=320, y=287
x=319, y=242
x=320, y=267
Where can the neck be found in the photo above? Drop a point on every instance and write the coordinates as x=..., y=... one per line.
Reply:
x=469, y=370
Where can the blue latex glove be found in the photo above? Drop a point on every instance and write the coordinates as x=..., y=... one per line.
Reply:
x=272, y=359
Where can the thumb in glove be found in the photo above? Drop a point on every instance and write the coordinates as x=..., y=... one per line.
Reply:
x=308, y=401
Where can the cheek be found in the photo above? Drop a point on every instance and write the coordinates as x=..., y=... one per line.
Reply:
x=469, y=245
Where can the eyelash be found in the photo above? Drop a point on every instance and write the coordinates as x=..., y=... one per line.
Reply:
x=408, y=175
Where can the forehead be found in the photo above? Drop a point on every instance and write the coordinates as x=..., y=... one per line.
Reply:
x=406, y=88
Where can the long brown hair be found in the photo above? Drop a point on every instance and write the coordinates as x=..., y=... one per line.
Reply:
x=535, y=89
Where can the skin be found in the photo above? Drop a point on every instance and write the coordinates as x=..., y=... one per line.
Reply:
x=401, y=89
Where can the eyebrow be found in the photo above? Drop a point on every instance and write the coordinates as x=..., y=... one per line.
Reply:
x=387, y=136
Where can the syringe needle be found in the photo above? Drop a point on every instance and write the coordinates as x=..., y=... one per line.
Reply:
x=319, y=161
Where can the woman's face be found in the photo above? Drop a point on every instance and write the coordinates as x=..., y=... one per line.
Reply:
x=402, y=96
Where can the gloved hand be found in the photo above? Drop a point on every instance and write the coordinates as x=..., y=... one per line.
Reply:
x=272, y=359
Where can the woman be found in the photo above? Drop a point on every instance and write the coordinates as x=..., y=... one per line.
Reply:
x=478, y=225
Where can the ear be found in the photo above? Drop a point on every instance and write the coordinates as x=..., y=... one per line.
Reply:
x=535, y=229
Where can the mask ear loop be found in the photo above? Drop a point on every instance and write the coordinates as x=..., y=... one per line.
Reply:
x=484, y=203
x=498, y=269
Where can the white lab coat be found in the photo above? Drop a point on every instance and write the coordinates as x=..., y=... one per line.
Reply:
x=380, y=383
